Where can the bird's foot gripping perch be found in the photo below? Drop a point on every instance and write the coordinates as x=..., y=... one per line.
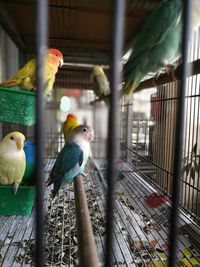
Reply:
x=170, y=70
x=84, y=174
x=15, y=188
x=155, y=78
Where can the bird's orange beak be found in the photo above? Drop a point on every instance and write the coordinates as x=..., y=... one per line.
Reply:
x=19, y=144
x=61, y=62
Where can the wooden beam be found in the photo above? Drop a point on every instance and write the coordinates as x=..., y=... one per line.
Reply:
x=166, y=78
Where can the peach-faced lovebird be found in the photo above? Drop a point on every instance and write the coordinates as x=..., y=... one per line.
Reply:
x=73, y=157
x=12, y=160
x=25, y=78
x=69, y=124
x=158, y=42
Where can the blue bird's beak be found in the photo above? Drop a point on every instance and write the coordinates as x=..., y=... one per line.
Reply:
x=91, y=135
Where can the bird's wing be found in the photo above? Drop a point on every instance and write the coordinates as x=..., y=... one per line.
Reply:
x=163, y=20
x=70, y=155
x=27, y=70
x=48, y=85
x=95, y=85
x=25, y=74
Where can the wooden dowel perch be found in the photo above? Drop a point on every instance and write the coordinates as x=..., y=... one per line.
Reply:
x=163, y=78
x=86, y=243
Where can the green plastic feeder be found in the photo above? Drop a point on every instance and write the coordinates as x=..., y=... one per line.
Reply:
x=17, y=106
x=19, y=204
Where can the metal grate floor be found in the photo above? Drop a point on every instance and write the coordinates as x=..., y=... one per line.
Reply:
x=142, y=218
x=140, y=237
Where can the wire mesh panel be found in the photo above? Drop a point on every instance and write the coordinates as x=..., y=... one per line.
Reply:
x=156, y=164
x=153, y=138
x=140, y=205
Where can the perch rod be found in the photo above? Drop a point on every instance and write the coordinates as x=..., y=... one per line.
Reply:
x=163, y=78
x=86, y=243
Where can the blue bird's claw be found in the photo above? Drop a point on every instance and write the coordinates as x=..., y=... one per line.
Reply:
x=84, y=174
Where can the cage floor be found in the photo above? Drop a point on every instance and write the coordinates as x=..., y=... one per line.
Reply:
x=142, y=217
x=140, y=236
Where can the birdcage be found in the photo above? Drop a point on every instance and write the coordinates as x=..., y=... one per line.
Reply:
x=137, y=203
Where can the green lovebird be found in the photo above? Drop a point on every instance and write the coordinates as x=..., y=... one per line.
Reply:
x=158, y=42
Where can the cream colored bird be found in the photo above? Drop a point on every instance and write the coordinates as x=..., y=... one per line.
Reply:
x=100, y=83
x=12, y=160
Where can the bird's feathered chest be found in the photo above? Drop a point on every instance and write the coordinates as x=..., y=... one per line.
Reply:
x=12, y=166
x=85, y=147
x=12, y=157
x=50, y=67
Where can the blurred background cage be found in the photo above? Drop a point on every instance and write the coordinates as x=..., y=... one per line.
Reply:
x=147, y=122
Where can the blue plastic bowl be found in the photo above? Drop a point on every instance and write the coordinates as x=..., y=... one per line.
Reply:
x=29, y=149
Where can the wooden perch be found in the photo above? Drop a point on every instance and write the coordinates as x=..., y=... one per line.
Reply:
x=87, y=249
x=164, y=78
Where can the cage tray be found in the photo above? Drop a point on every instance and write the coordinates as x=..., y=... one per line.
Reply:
x=19, y=204
x=17, y=106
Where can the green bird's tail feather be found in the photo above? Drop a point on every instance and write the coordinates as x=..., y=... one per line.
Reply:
x=130, y=87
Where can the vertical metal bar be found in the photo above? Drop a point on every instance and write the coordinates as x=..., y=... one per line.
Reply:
x=173, y=235
x=41, y=46
x=118, y=8
x=129, y=126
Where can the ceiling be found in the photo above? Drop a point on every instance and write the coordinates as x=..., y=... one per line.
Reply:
x=81, y=29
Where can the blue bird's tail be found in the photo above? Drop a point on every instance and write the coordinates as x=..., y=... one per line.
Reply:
x=56, y=187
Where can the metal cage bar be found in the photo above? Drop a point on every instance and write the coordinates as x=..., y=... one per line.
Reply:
x=173, y=235
x=41, y=46
x=117, y=43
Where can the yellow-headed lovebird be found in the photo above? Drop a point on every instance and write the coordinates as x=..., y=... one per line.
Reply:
x=69, y=124
x=25, y=78
x=72, y=159
x=100, y=83
x=12, y=160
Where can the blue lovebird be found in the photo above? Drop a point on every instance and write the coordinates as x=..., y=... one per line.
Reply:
x=156, y=45
x=72, y=159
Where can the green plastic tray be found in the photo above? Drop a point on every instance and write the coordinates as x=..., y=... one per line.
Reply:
x=17, y=106
x=19, y=204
